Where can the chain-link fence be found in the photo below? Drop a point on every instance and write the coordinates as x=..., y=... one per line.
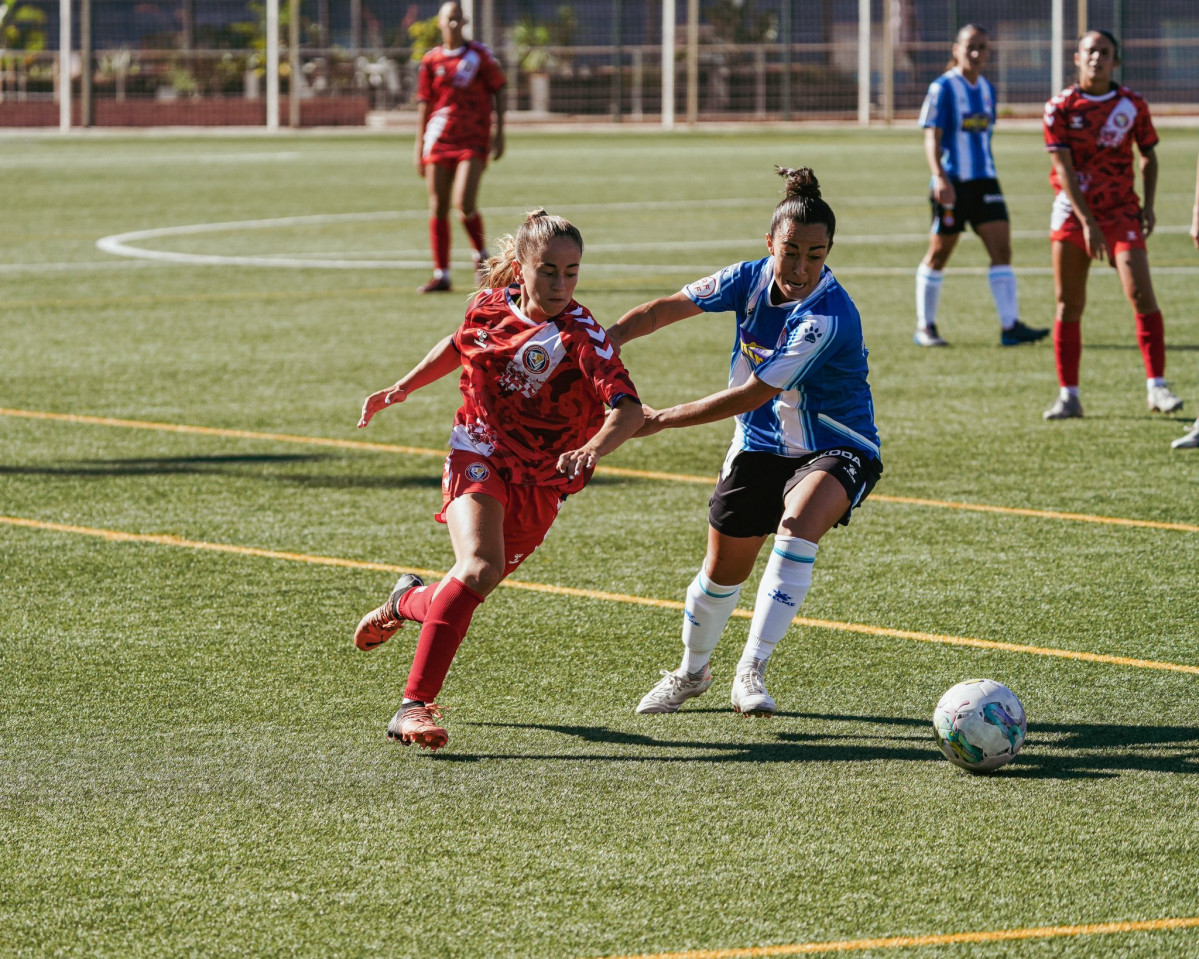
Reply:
x=143, y=63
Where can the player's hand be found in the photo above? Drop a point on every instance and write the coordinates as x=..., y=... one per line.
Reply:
x=943, y=191
x=1195, y=228
x=577, y=461
x=653, y=423
x=1148, y=221
x=420, y=167
x=380, y=400
x=1095, y=241
x=497, y=145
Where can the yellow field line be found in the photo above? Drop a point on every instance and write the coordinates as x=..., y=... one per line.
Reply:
x=210, y=297
x=603, y=470
x=162, y=539
x=949, y=939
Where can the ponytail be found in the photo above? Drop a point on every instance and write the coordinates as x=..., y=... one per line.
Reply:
x=801, y=202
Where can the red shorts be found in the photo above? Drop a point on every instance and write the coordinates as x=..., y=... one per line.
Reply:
x=1121, y=231
x=529, y=511
x=450, y=157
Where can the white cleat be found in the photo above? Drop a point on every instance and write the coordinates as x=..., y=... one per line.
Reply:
x=1190, y=441
x=1162, y=399
x=674, y=690
x=749, y=695
x=928, y=336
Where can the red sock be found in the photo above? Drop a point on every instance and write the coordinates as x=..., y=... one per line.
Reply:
x=414, y=604
x=1151, y=337
x=474, y=226
x=1067, y=351
x=446, y=622
x=439, y=241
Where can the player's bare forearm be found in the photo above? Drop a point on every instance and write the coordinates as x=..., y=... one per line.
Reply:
x=648, y=317
x=619, y=425
x=718, y=406
x=1149, y=186
x=438, y=362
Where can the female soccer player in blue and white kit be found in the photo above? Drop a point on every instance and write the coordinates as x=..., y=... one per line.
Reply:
x=805, y=451
x=957, y=117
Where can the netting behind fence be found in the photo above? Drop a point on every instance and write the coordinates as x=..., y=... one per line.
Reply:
x=141, y=63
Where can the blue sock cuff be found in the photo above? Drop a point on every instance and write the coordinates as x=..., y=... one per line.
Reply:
x=795, y=549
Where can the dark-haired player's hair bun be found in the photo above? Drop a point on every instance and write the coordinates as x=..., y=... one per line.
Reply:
x=801, y=182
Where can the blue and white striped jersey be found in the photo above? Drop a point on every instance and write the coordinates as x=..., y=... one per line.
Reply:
x=813, y=351
x=965, y=114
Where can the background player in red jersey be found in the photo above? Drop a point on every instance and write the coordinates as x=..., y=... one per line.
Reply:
x=537, y=373
x=1090, y=129
x=460, y=88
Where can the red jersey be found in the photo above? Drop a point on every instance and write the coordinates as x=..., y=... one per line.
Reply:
x=458, y=86
x=532, y=391
x=1099, y=132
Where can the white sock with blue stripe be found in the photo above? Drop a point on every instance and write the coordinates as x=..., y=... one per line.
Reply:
x=784, y=585
x=709, y=606
x=928, y=295
x=1002, y=280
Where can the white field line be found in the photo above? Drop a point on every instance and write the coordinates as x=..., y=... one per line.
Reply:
x=130, y=244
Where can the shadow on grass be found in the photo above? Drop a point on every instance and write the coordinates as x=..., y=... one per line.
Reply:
x=1054, y=751
x=228, y=465
x=159, y=464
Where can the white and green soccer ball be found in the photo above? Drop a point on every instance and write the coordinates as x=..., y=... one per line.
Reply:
x=980, y=725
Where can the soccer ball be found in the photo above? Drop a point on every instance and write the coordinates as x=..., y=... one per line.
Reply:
x=979, y=725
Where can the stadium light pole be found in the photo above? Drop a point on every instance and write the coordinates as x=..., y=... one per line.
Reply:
x=1057, y=32
x=692, y=62
x=864, y=62
x=272, y=65
x=293, y=64
x=64, y=65
x=668, y=27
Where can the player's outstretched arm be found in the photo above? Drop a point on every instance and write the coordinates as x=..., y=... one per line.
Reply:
x=619, y=425
x=648, y=317
x=440, y=361
x=718, y=406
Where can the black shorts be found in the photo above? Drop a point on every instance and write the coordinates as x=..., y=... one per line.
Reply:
x=978, y=202
x=748, y=500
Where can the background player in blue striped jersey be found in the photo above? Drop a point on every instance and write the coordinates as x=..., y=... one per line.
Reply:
x=805, y=452
x=957, y=117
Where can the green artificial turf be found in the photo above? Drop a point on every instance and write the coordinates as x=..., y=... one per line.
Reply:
x=192, y=758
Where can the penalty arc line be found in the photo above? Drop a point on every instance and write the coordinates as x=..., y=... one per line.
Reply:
x=947, y=939
x=602, y=470
x=163, y=539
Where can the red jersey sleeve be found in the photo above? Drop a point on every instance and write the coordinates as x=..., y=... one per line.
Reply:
x=1055, y=125
x=490, y=74
x=597, y=358
x=1144, y=132
x=424, y=78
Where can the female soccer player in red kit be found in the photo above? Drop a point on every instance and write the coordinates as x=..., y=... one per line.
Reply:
x=537, y=374
x=460, y=87
x=1090, y=129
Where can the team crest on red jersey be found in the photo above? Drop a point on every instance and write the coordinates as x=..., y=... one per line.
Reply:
x=536, y=359
x=477, y=472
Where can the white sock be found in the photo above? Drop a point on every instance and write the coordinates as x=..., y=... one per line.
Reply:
x=1069, y=391
x=709, y=606
x=785, y=583
x=928, y=295
x=439, y=274
x=1003, y=288
x=1155, y=381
